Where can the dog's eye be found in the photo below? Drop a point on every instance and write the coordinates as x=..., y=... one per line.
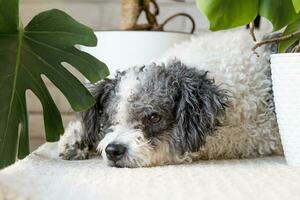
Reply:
x=154, y=118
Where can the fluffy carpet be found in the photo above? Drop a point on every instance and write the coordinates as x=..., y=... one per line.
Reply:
x=44, y=176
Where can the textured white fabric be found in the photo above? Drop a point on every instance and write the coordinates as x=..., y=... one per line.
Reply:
x=44, y=176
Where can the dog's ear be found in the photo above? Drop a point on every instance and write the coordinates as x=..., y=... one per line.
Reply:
x=95, y=117
x=200, y=105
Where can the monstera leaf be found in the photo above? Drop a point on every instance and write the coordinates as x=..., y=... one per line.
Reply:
x=28, y=53
x=225, y=14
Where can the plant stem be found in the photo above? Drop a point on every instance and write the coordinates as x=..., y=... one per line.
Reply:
x=273, y=40
x=296, y=49
x=161, y=26
x=252, y=27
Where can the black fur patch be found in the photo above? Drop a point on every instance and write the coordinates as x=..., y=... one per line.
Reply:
x=96, y=119
x=201, y=104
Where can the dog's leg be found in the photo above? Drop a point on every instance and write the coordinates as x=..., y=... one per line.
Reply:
x=71, y=145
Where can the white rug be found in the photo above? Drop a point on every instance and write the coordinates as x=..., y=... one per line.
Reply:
x=44, y=176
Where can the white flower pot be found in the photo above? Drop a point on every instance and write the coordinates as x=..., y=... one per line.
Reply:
x=123, y=49
x=286, y=85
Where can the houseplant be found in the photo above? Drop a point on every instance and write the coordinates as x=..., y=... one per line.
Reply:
x=285, y=67
x=138, y=43
x=27, y=53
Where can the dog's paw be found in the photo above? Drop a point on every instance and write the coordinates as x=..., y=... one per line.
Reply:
x=76, y=151
x=71, y=146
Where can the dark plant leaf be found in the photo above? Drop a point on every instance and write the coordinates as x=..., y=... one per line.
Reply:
x=228, y=14
x=25, y=55
x=9, y=16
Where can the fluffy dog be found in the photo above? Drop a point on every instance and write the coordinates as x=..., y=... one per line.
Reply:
x=215, y=103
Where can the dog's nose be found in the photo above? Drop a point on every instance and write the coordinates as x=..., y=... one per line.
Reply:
x=115, y=152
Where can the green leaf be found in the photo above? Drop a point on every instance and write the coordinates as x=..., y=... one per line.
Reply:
x=279, y=12
x=40, y=49
x=296, y=4
x=291, y=28
x=9, y=16
x=225, y=14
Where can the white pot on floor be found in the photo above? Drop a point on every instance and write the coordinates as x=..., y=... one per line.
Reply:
x=123, y=49
x=286, y=85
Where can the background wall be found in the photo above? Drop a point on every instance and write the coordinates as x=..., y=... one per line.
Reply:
x=105, y=14
x=100, y=15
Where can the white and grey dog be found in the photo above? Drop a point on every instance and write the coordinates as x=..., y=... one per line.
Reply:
x=202, y=107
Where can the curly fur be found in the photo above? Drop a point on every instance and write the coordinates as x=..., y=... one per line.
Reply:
x=199, y=108
x=250, y=127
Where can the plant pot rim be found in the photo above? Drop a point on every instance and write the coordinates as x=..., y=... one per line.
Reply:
x=148, y=32
x=276, y=55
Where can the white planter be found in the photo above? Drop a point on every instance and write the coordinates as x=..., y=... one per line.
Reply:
x=123, y=49
x=286, y=85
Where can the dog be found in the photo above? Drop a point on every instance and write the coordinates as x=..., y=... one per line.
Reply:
x=179, y=112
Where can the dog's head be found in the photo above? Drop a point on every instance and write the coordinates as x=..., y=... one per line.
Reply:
x=153, y=115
